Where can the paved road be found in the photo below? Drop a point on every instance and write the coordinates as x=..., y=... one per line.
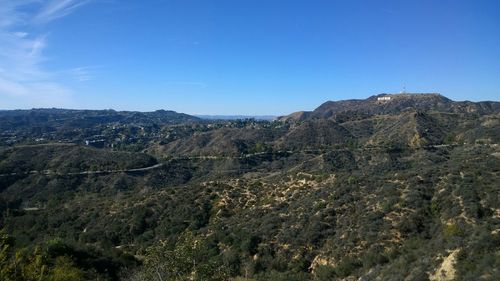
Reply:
x=55, y=173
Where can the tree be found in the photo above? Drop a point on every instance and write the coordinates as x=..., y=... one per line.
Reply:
x=189, y=259
x=64, y=270
x=23, y=265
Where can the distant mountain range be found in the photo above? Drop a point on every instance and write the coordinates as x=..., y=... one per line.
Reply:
x=377, y=104
x=54, y=117
x=60, y=117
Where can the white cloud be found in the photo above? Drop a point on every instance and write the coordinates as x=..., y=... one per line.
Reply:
x=23, y=80
x=20, y=34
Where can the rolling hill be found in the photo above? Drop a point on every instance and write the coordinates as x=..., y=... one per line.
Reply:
x=404, y=188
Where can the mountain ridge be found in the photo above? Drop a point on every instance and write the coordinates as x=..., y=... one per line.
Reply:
x=376, y=104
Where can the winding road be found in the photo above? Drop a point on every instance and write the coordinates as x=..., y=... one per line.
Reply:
x=206, y=157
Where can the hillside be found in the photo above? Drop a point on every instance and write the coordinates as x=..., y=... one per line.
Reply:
x=399, y=189
x=396, y=103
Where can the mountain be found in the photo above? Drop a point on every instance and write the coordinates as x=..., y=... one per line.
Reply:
x=394, y=187
x=296, y=116
x=96, y=127
x=53, y=117
x=395, y=103
x=404, y=121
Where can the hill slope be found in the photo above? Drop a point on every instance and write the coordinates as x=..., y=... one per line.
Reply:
x=400, y=189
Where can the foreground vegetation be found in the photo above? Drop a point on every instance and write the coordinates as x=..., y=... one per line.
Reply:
x=404, y=195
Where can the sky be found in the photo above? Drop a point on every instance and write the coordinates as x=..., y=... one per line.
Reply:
x=247, y=57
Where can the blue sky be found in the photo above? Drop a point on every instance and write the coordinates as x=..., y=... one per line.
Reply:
x=243, y=56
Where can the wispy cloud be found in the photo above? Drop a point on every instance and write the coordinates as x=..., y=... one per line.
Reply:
x=7, y=15
x=83, y=73
x=23, y=80
x=55, y=9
